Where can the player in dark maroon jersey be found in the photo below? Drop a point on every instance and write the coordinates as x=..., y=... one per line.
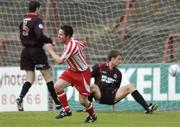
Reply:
x=106, y=88
x=33, y=56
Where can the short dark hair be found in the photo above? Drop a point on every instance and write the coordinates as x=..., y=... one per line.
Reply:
x=68, y=30
x=33, y=5
x=113, y=54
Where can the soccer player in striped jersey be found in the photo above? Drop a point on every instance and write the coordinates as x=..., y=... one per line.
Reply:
x=77, y=74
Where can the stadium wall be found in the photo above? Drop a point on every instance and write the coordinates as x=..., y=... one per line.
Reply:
x=152, y=80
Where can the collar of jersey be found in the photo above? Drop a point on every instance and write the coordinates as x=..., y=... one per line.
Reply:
x=31, y=14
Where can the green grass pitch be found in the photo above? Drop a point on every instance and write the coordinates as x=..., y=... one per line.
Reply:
x=105, y=119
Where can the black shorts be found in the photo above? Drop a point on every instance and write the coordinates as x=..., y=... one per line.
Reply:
x=108, y=97
x=32, y=58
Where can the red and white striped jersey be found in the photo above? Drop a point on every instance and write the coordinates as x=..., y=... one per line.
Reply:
x=74, y=56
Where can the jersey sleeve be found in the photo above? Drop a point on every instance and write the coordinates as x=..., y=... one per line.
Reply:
x=95, y=71
x=119, y=79
x=38, y=28
x=20, y=30
x=83, y=44
x=69, y=50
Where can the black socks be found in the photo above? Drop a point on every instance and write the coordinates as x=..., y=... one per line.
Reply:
x=50, y=86
x=138, y=98
x=25, y=89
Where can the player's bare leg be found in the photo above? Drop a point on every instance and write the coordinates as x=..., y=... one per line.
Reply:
x=95, y=93
x=125, y=90
x=59, y=86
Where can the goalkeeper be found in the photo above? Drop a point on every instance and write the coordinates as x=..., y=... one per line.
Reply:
x=107, y=90
x=33, y=56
